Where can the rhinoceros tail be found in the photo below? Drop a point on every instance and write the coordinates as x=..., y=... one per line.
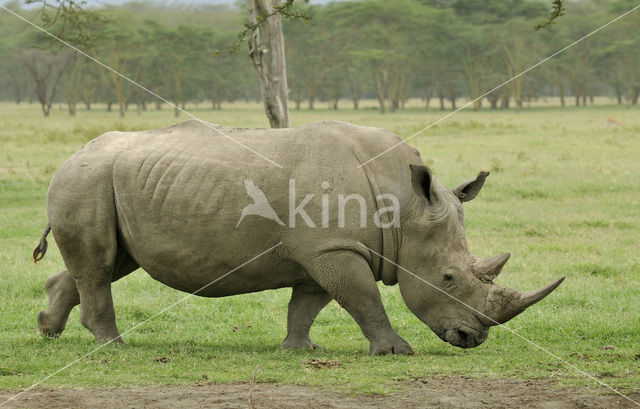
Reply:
x=40, y=251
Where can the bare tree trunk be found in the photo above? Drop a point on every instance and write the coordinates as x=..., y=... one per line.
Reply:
x=354, y=89
x=452, y=98
x=618, y=90
x=380, y=96
x=380, y=86
x=269, y=61
x=518, y=104
x=493, y=98
x=504, y=100
x=335, y=92
x=426, y=96
x=635, y=94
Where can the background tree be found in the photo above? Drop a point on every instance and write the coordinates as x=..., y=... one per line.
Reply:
x=14, y=79
x=309, y=68
x=267, y=53
x=389, y=51
x=119, y=45
x=519, y=52
x=181, y=53
x=45, y=70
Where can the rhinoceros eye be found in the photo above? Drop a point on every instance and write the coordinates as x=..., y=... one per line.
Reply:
x=447, y=277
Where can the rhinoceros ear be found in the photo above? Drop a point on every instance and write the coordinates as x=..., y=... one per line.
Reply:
x=470, y=189
x=421, y=181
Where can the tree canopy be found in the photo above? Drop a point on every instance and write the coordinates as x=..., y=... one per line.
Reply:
x=388, y=50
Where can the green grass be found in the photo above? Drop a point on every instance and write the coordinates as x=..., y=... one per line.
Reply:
x=563, y=197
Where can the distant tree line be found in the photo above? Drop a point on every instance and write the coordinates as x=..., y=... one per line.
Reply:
x=388, y=50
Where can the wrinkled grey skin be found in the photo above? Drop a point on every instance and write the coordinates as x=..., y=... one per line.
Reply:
x=168, y=201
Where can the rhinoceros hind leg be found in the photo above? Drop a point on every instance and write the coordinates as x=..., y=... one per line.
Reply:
x=96, y=304
x=306, y=302
x=96, y=310
x=349, y=279
x=90, y=253
x=63, y=296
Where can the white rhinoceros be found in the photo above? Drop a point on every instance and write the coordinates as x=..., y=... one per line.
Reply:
x=194, y=209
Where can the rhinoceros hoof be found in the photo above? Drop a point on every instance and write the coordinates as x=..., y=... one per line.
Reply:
x=299, y=344
x=398, y=347
x=111, y=340
x=46, y=329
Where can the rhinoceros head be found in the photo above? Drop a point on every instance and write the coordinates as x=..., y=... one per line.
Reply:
x=441, y=282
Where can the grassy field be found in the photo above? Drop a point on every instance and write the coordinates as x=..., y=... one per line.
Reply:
x=563, y=198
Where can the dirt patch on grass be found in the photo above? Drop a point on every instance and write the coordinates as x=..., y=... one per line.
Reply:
x=457, y=392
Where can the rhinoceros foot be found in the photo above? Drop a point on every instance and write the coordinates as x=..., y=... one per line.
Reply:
x=63, y=296
x=392, y=345
x=47, y=327
x=299, y=343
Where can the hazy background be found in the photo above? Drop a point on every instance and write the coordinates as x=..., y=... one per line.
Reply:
x=393, y=51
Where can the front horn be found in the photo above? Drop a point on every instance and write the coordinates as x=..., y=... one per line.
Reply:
x=505, y=303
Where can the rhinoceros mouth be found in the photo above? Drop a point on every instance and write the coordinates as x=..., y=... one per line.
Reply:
x=465, y=337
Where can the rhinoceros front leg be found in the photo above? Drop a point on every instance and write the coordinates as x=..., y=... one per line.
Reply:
x=348, y=278
x=306, y=302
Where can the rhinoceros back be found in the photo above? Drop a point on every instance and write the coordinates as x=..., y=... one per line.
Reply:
x=178, y=192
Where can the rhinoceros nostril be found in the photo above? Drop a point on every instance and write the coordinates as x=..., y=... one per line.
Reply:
x=466, y=339
x=460, y=338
